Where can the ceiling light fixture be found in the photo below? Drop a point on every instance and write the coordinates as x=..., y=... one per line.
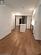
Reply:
x=1, y=2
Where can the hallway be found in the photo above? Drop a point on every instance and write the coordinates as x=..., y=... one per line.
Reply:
x=17, y=20
x=18, y=43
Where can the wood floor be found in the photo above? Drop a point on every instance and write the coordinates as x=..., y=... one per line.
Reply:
x=18, y=43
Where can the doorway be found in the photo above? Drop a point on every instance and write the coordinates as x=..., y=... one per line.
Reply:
x=20, y=20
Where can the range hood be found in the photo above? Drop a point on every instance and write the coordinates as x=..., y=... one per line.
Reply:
x=3, y=2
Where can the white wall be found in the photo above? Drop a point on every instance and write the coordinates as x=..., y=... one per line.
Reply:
x=17, y=21
x=29, y=18
x=12, y=21
x=37, y=25
x=5, y=21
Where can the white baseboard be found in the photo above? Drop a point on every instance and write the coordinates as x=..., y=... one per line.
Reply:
x=4, y=35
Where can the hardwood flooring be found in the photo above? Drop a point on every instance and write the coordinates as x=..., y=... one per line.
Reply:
x=18, y=43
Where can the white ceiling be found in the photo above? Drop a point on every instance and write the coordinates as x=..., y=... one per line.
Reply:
x=25, y=6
